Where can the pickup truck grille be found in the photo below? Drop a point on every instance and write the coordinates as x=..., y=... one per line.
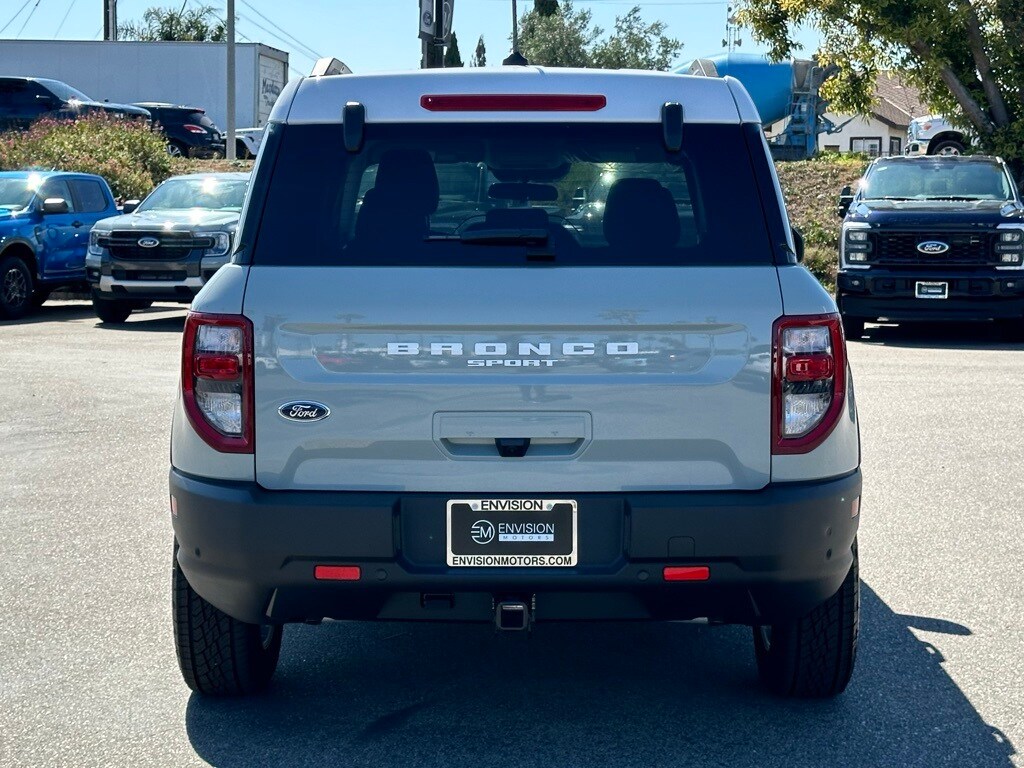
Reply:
x=171, y=245
x=965, y=249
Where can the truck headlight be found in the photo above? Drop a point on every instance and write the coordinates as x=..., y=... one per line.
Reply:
x=856, y=245
x=221, y=244
x=95, y=249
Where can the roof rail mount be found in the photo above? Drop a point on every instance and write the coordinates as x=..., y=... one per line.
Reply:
x=329, y=66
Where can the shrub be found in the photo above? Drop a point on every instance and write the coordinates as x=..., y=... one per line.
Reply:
x=129, y=155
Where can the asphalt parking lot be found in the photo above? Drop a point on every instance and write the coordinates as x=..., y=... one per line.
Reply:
x=87, y=669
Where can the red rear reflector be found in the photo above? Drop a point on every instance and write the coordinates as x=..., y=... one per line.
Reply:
x=809, y=367
x=337, y=572
x=219, y=367
x=687, y=573
x=513, y=102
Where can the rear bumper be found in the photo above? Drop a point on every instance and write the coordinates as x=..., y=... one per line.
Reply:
x=984, y=294
x=774, y=553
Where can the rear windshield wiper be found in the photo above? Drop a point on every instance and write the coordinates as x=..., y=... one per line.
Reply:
x=497, y=236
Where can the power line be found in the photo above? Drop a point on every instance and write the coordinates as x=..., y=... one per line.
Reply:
x=16, y=15
x=66, y=14
x=214, y=10
x=27, y=18
x=276, y=26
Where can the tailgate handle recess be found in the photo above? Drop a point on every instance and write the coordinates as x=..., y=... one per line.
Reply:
x=511, y=435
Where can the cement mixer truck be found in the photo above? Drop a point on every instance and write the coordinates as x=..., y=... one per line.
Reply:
x=784, y=90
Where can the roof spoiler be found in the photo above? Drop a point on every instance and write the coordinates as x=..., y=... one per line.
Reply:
x=329, y=66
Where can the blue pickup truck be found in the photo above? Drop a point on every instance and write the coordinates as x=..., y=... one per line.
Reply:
x=45, y=218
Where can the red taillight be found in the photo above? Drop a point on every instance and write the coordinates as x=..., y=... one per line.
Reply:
x=337, y=572
x=193, y=128
x=808, y=381
x=217, y=367
x=809, y=367
x=217, y=380
x=513, y=102
x=686, y=573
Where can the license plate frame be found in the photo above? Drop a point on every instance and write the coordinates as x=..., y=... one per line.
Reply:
x=477, y=533
x=929, y=289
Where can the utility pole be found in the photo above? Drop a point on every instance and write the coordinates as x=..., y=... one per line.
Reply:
x=432, y=31
x=110, y=19
x=229, y=139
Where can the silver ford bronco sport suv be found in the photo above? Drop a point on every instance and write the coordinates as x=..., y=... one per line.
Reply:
x=434, y=395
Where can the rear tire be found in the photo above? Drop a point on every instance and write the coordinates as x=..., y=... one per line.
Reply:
x=111, y=310
x=853, y=327
x=16, y=288
x=219, y=655
x=947, y=147
x=177, y=149
x=813, y=657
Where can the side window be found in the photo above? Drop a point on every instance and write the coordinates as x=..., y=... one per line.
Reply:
x=57, y=188
x=89, y=195
x=19, y=95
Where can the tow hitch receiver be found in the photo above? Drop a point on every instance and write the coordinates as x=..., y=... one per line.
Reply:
x=512, y=615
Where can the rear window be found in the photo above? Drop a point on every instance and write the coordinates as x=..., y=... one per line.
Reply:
x=199, y=118
x=498, y=194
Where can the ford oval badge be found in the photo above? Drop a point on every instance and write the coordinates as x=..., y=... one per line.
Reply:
x=148, y=242
x=933, y=247
x=304, y=410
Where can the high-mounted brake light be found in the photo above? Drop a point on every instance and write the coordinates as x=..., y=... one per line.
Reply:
x=217, y=380
x=513, y=102
x=808, y=381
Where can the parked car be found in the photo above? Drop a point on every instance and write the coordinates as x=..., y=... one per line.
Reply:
x=23, y=100
x=45, y=219
x=166, y=247
x=934, y=135
x=932, y=238
x=247, y=142
x=380, y=419
x=190, y=132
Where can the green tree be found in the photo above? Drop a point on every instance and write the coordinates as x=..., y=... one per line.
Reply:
x=195, y=24
x=966, y=56
x=545, y=7
x=452, y=57
x=480, y=54
x=568, y=38
x=635, y=45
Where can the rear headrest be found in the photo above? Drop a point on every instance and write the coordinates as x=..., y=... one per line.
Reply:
x=408, y=176
x=640, y=213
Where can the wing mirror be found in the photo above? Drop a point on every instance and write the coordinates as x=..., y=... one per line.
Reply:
x=845, y=201
x=55, y=205
x=129, y=206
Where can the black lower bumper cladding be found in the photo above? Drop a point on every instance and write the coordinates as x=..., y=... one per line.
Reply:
x=770, y=554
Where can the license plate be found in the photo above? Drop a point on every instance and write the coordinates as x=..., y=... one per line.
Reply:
x=924, y=290
x=514, y=533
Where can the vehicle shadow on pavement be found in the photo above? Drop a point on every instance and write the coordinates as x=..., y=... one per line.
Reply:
x=54, y=313
x=157, y=321
x=589, y=695
x=943, y=336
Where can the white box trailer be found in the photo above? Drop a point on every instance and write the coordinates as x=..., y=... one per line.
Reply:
x=194, y=74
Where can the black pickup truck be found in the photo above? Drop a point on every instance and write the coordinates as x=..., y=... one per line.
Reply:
x=932, y=238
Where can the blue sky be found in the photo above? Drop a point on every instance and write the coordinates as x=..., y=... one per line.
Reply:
x=369, y=34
